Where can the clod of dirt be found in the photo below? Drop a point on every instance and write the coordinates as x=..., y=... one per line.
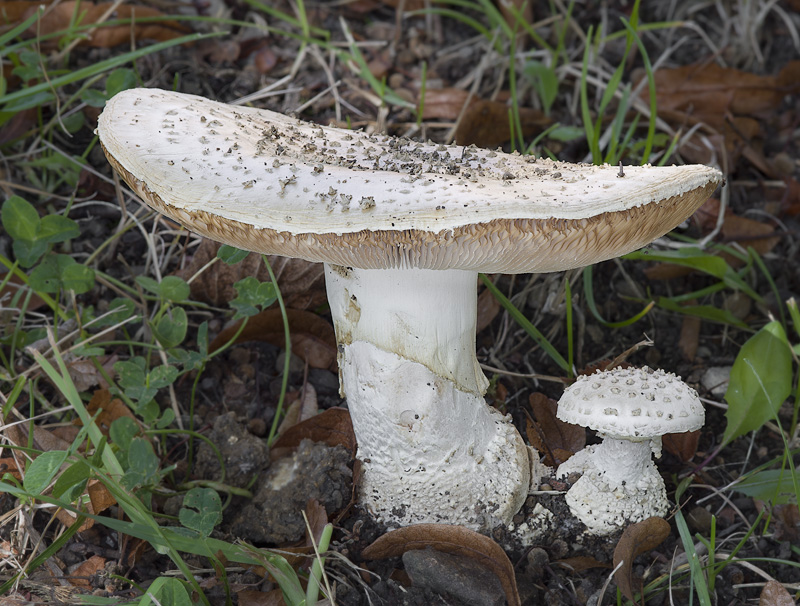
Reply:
x=455, y=575
x=245, y=455
x=313, y=471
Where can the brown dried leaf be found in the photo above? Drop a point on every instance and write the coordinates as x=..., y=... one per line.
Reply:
x=551, y=436
x=249, y=597
x=450, y=539
x=637, y=539
x=313, y=337
x=57, y=15
x=317, y=519
x=690, y=335
x=787, y=522
x=333, y=427
x=100, y=497
x=445, y=103
x=110, y=409
x=301, y=409
x=485, y=124
x=775, y=594
x=488, y=308
x=79, y=576
x=302, y=283
x=9, y=465
x=682, y=445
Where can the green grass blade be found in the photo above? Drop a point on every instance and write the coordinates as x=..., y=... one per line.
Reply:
x=532, y=331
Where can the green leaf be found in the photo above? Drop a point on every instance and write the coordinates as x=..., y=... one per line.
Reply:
x=61, y=272
x=252, y=296
x=761, y=379
x=201, y=511
x=119, y=80
x=230, y=254
x=122, y=432
x=20, y=219
x=774, y=486
x=71, y=482
x=147, y=283
x=166, y=591
x=162, y=376
x=130, y=372
x=28, y=252
x=142, y=464
x=119, y=309
x=42, y=470
x=173, y=288
x=57, y=228
x=170, y=330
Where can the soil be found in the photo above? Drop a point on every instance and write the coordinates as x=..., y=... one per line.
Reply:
x=239, y=389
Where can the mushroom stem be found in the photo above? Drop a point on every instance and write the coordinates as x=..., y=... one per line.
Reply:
x=433, y=451
x=622, y=461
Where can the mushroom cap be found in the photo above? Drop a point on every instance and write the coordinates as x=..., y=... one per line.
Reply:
x=265, y=182
x=632, y=403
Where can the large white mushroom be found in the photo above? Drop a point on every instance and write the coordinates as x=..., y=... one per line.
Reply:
x=403, y=229
x=631, y=408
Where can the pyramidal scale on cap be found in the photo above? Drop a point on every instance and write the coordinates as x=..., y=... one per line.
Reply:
x=403, y=229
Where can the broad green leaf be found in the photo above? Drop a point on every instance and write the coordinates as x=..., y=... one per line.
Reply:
x=71, y=482
x=166, y=591
x=761, y=379
x=119, y=80
x=201, y=510
x=20, y=219
x=171, y=329
x=142, y=464
x=230, y=254
x=162, y=376
x=773, y=486
x=28, y=252
x=57, y=272
x=147, y=283
x=42, y=470
x=77, y=277
x=57, y=228
x=173, y=288
x=119, y=309
x=252, y=297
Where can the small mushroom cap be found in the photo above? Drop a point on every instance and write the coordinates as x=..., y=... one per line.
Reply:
x=632, y=403
x=269, y=183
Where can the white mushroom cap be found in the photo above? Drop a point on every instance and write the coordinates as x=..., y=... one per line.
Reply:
x=632, y=403
x=265, y=182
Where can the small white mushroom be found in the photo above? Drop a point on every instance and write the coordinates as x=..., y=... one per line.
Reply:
x=631, y=408
x=403, y=229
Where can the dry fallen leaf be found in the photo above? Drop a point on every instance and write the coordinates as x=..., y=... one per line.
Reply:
x=637, y=539
x=551, y=436
x=302, y=283
x=730, y=102
x=450, y=539
x=250, y=597
x=313, y=337
x=690, y=335
x=333, y=427
x=301, y=409
x=110, y=409
x=57, y=16
x=682, y=445
x=775, y=594
x=79, y=576
x=485, y=124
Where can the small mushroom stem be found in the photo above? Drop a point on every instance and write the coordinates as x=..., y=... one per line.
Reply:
x=623, y=461
x=433, y=451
